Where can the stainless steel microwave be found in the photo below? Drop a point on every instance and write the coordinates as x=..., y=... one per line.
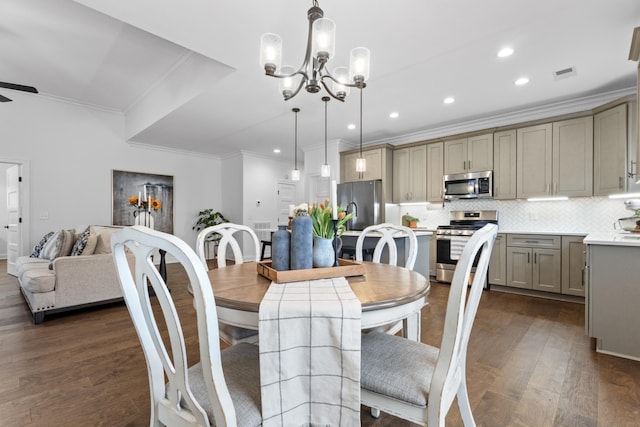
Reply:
x=473, y=185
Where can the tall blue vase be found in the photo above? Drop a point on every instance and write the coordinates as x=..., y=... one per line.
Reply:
x=280, y=249
x=301, y=243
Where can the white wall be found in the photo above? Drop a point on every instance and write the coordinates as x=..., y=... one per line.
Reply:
x=4, y=216
x=72, y=151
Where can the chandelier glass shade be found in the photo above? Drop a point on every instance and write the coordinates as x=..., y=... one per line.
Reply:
x=313, y=74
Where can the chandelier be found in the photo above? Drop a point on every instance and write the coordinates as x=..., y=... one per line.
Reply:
x=313, y=72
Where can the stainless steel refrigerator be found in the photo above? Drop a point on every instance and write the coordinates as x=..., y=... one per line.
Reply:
x=365, y=199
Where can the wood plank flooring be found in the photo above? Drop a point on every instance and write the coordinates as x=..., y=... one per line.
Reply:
x=529, y=364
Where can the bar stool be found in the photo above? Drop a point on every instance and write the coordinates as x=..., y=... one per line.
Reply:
x=264, y=244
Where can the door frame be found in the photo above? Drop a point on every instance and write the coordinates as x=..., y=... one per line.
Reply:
x=23, y=203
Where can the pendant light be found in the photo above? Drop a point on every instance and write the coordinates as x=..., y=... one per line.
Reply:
x=361, y=163
x=325, y=171
x=295, y=173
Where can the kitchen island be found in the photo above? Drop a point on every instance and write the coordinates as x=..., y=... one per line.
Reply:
x=613, y=292
x=350, y=237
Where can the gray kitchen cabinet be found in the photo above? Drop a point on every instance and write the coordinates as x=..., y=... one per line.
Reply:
x=533, y=161
x=410, y=174
x=555, y=159
x=534, y=262
x=609, y=151
x=433, y=259
x=472, y=154
x=504, y=164
x=435, y=165
x=573, y=261
x=498, y=262
x=573, y=157
x=611, y=312
x=374, y=166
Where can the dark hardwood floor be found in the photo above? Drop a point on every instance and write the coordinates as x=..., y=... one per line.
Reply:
x=529, y=364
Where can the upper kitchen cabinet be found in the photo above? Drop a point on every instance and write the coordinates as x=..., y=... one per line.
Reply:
x=410, y=174
x=435, y=170
x=379, y=165
x=555, y=159
x=634, y=55
x=609, y=151
x=504, y=164
x=573, y=157
x=472, y=154
x=533, y=160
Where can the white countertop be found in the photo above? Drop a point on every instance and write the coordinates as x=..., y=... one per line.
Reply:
x=615, y=238
x=552, y=233
x=356, y=233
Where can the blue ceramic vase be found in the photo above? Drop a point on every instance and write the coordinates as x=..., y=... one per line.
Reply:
x=280, y=249
x=301, y=243
x=323, y=253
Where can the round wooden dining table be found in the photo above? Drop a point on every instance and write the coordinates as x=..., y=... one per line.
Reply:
x=387, y=294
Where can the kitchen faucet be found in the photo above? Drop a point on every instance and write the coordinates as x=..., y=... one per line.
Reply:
x=355, y=213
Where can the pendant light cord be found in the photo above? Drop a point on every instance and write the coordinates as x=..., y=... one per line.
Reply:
x=295, y=152
x=360, y=122
x=326, y=100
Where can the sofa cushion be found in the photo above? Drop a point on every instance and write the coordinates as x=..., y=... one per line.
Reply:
x=38, y=280
x=58, y=245
x=103, y=246
x=38, y=248
x=84, y=244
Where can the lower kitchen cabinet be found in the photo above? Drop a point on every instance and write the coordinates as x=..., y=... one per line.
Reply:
x=433, y=259
x=573, y=262
x=534, y=262
x=498, y=262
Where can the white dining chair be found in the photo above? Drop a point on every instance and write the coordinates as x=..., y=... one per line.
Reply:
x=386, y=233
x=223, y=388
x=229, y=333
x=419, y=382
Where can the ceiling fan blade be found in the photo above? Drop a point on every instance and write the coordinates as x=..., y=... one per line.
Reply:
x=18, y=87
x=4, y=99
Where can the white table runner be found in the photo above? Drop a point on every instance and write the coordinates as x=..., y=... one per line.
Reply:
x=310, y=354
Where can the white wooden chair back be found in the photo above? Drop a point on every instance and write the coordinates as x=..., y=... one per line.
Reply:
x=449, y=376
x=175, y=404
x=388, y=231
x=226, y=231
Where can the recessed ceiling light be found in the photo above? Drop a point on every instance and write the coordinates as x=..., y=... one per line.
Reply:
x=522, y=81
x=507, y=51
x=276, y=150
x=449, y=100
x=394, y=115
x=351, y=127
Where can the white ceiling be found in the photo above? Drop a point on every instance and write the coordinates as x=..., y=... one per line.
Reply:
x=191, y=68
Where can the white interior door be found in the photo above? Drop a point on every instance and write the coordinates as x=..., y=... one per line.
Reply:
x=286, y=197
x=14, y=226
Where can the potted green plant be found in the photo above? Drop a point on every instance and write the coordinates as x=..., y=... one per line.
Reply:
x=208, y=218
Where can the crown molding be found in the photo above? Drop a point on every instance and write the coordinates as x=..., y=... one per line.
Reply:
x=521, y=116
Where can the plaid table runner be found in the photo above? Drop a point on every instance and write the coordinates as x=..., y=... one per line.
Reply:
x=310, y=354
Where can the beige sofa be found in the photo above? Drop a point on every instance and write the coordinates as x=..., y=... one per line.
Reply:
x=70, y=282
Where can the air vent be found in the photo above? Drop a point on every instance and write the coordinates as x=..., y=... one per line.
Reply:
x=564, y=73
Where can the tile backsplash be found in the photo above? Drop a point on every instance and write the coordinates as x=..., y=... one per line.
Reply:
x=580, y=215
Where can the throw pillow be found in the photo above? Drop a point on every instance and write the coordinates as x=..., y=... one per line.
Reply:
x=38, y=248
x=82, y=243
x=52, y=247
x=58, y=245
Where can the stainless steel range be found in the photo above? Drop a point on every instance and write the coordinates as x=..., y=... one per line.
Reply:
x=451, y=239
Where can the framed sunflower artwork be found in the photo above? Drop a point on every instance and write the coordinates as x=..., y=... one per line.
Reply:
x=142, y=199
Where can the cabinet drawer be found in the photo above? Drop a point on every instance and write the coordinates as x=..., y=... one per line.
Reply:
x=534, y=241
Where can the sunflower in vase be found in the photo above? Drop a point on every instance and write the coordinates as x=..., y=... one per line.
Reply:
x=322, y=219
x=145, y=204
